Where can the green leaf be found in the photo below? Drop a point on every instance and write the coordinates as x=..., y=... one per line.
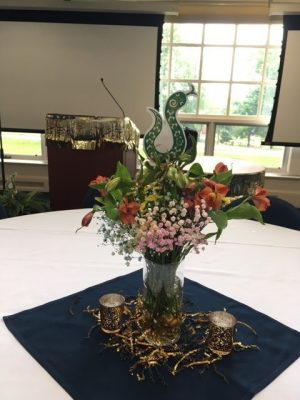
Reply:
x=117, y=194
x=224, y=177
x=217, y=234
x=196, y=170
x=244, y=211
x=148, y=165
x=109, y=202
x=112, y=213
x=219, y=218
x=98, y=185
x=141, y=157
x=149, y=177
x=112, y=184
x=122, y=173
x=141, y=171
x=185, y=157
x=209, y=235
x=125, y=187
x=97, y=208
x=99, y=200
x=192, y=151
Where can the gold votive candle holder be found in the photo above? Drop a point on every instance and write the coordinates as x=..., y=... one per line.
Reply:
x=221, y=332
x=111, y=312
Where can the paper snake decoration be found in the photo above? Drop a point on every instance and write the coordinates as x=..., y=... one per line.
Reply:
x=176, y=101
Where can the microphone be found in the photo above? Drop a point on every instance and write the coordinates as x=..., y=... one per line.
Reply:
x=106, y=88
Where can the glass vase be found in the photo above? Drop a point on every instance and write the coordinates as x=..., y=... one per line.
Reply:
x=162, y=302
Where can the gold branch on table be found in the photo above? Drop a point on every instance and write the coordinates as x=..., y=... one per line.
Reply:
x=191, y=351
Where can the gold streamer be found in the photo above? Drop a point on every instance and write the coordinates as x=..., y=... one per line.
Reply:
x=191, y=351
x=89, y=132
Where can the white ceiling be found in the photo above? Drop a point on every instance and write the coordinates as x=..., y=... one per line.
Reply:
x=154, y=6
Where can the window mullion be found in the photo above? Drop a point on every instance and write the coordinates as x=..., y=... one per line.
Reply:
x=200, y=70
x=262, y=84
x=240, y=133
x=170, y=59
x=210, y=139
x=44, y=149
x=231, y=74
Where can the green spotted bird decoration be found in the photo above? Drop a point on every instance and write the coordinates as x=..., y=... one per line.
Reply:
x=155, y=138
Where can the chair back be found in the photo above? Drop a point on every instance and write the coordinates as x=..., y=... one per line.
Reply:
x=3, y=213
x=282, y=213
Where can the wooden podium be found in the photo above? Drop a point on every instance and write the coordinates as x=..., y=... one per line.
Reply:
x=82, y=147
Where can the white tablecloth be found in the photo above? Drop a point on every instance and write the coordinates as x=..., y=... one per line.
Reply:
x=42, y=259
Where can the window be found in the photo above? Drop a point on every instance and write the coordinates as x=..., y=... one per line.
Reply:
x=234, y=69
x=23, y=145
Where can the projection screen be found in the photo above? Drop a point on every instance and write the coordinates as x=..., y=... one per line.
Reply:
x=56, y=68
x=284, y=128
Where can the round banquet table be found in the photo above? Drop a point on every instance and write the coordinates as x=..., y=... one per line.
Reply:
x=42, y=259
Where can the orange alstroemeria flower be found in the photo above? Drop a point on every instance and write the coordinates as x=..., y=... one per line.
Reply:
x=260, y=199
x=220, y=167
x=213, y=194
x=100, y=179
x=188, y=194
x=128, y=211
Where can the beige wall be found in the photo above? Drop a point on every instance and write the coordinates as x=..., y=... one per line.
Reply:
x=285, y=187
x=29, y=176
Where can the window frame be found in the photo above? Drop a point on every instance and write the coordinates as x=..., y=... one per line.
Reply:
x=212, y=120
x=25, y=157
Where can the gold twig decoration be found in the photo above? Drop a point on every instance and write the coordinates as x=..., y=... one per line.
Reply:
x=191, y=351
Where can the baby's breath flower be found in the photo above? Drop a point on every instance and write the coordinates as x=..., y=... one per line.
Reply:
x=161, y=225
x=183, y=212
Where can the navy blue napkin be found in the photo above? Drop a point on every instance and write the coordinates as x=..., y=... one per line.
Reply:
x=55, y=334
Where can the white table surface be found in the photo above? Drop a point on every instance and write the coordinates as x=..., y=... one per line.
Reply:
x=42, y=259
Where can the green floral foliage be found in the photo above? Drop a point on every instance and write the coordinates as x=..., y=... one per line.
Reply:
x=21, y=203
x=171, y=202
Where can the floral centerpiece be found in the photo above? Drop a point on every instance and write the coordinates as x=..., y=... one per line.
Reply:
x=162, y=214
